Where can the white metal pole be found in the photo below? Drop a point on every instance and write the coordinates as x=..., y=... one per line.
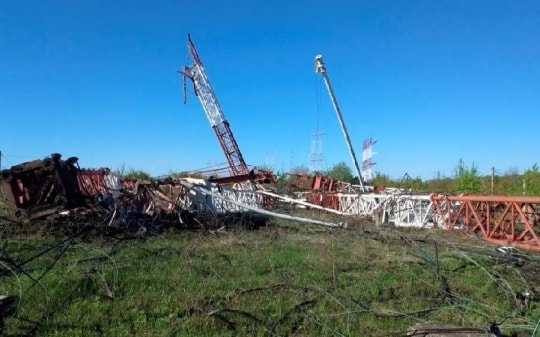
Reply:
x=322, y=69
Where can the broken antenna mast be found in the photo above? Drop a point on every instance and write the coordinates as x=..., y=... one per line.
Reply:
x=208, y=99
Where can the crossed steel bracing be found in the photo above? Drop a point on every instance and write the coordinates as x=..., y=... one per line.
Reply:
x=504, y=220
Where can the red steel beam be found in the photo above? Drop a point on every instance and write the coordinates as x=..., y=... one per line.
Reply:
x=324, y=199
x=505, y=220
x=489, y=198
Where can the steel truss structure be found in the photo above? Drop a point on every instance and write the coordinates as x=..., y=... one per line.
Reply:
x=39, y=188
x=504, y=220
x=214, y=113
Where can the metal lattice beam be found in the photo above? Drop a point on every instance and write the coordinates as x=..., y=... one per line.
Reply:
x=208, y=99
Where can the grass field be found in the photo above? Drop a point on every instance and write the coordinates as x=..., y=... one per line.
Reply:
x=285, y=279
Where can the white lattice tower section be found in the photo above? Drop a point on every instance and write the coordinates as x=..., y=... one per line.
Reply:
x=367, y=155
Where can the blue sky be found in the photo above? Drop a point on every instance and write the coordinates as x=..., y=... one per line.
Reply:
x=431, y=81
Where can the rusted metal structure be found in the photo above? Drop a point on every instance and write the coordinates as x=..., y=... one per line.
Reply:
x=36, y=189
x=505, y=220
x=97, y=181
x=318, y=183
x=254, y=174
x=50, y=186
x=40, y=187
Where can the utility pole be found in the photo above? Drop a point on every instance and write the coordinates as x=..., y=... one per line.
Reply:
x=0, y=159
x=492, y=179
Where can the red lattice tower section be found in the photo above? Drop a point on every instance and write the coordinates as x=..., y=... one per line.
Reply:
x=505, y=220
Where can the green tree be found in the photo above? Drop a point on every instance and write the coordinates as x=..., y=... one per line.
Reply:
x=301, y=169
x=439, y=184
x=137, y=174
x=186, y=174
x=510, y=183
x=265, y=167
x=467, y=179
x=341, y=171
x=531, y=181
x=382, y=179
x=120, y=171
x=416, y=184
x=283, y=182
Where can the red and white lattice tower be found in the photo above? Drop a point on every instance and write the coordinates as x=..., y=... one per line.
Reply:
x=367, y=155
x=216, y=117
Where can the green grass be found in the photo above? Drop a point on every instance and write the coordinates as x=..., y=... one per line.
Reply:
x=4, y=212
x=283, y=280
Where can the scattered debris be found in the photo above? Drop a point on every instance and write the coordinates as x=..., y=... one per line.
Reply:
x=52, y=186
x=434, y=329
x=8, y=306
x=41, y=187
x=319, y=183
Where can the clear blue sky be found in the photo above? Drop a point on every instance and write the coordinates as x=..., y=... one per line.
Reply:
x=431, y=81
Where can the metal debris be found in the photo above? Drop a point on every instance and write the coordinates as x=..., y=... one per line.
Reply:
x=41, y=187
x=52, y=186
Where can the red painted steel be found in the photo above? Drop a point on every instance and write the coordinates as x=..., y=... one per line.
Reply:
x=237, y=165
x=323, y=191
x=253, y=175
x=490, y=198
x=317, y=183
x=324, y=199
x=40, y=187
x=505, y=220
x=92, y=182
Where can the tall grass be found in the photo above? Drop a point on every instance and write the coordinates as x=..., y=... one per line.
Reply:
x=277, y=281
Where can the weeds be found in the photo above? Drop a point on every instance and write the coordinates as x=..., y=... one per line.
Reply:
x=282, y=280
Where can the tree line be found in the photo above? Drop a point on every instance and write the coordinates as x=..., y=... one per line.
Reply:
x=465, y=179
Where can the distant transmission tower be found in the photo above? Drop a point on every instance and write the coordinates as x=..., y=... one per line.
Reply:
x=316, y=157
x=367, y=154
x=269, y=160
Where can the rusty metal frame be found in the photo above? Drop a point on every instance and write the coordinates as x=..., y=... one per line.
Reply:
x=40, y=187
x=505, y=220
x=318, y=183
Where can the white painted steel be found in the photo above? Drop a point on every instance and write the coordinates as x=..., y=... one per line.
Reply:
x=399, y=209
x=405, y=210
x=301, y=202
x=206, y=95
x=112, y=181
x=199, y=189
x=321, y=68
x=392, y=207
